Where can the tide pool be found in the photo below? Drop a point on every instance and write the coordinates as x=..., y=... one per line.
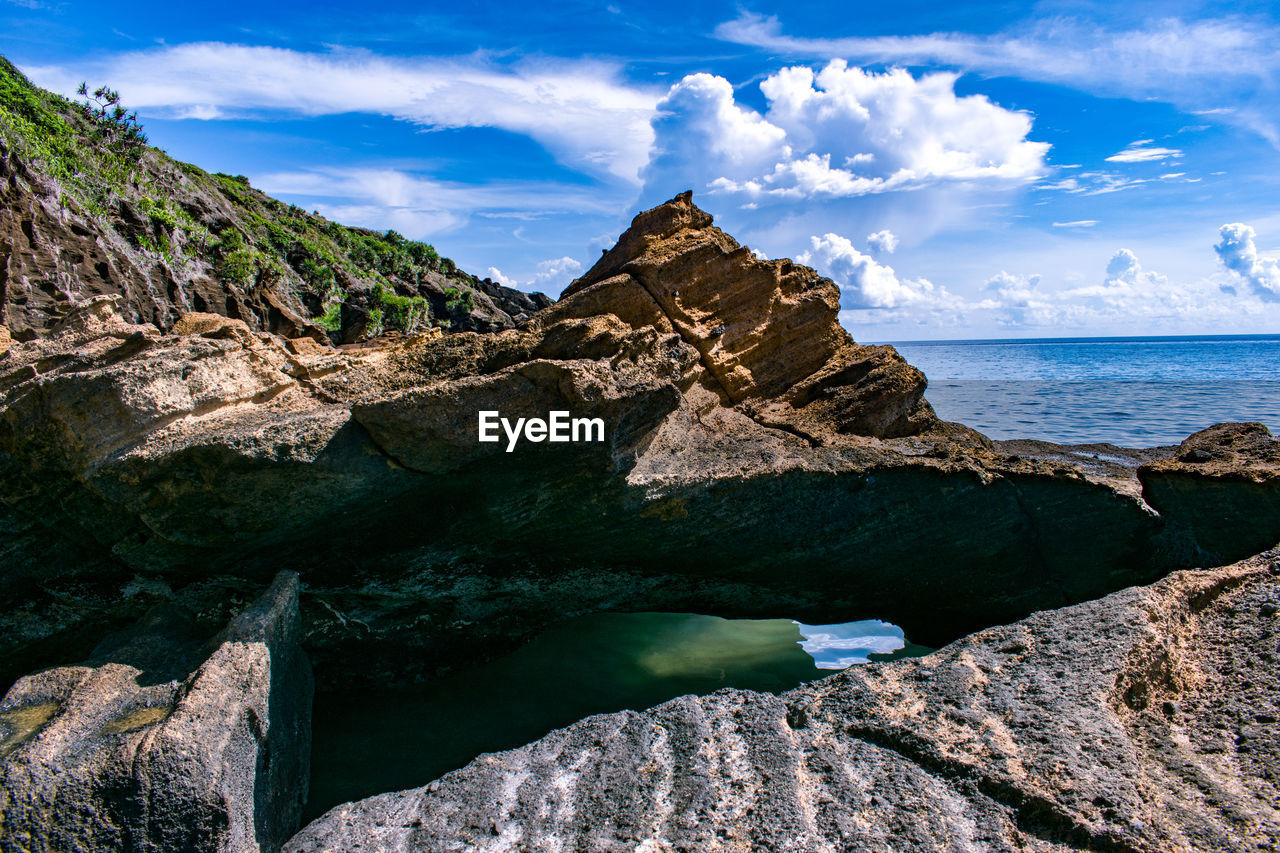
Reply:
x=369, y=742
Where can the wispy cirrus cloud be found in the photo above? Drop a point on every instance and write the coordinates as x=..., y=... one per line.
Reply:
x=582, y=111
x=1144, y=151
x=1199, y=65
x=420, y=206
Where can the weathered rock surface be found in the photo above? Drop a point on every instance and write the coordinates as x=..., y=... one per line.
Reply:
x=767, y=331
x=1145, y=721
x=160, y=742
x=80, y=217
x=756, y=462
x=50, y=258
x=1223, y=484
x=214, y=456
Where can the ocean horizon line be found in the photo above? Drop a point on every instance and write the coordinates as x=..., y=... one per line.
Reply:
x=1099, y=339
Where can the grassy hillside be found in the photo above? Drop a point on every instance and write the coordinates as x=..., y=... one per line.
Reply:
x=173, y=221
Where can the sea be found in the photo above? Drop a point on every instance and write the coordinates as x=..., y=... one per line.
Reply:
x=1133, y=392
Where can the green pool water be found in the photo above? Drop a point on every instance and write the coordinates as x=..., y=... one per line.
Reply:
x=368, y=742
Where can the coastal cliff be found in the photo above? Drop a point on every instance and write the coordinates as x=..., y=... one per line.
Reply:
x=88, y=210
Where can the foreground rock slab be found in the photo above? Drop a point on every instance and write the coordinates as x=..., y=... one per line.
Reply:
x=156, y=745
x=1144, y=721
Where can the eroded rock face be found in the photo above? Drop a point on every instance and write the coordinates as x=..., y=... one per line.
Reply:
x=1224, y=485
x=51, y=258
x=215, y=455
x=162, y=742
x=1145, y=721
x=767, y=331
x=55, y=254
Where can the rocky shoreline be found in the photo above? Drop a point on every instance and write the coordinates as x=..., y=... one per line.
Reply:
x=757, y=461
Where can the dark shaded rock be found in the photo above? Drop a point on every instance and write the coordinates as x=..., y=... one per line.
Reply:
x=1049, y=734
x=355, y=318
x=517, y=304
x=1224, y=486
x=162, y=742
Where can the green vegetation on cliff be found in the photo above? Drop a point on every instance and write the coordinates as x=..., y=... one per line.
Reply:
x=217, y=226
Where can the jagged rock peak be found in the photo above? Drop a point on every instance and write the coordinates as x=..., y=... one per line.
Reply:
x=768, y=331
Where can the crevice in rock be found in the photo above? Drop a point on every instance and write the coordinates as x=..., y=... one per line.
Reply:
x=790, y=429
x=706, y=363
x=709, y=367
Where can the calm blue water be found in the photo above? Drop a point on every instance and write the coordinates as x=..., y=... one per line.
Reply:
x=1138, y=392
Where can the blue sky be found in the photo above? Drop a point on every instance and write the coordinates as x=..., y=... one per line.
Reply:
x=960, y=169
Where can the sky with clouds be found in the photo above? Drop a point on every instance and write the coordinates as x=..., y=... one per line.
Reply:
x=962, y=170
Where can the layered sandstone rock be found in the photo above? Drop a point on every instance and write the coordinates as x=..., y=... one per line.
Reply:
x=767, y=331
x=1145, y=721
x=161, y=742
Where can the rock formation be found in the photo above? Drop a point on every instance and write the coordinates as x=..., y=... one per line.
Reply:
x=766, y=331
x=1223, y=484
x=1145, y=721
x=160, y=742
x=176, y=425
x=756, y=462
x=217, y=455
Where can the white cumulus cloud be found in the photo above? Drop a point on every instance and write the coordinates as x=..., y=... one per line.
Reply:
x=1124, y=270
x=838, y=132
x=498, y=276
x=550, y=275
x=1196, y=65
x=863, y=282
x=1238, y=253
x=885, y=242
x=1019, y=300
x=557, y=271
